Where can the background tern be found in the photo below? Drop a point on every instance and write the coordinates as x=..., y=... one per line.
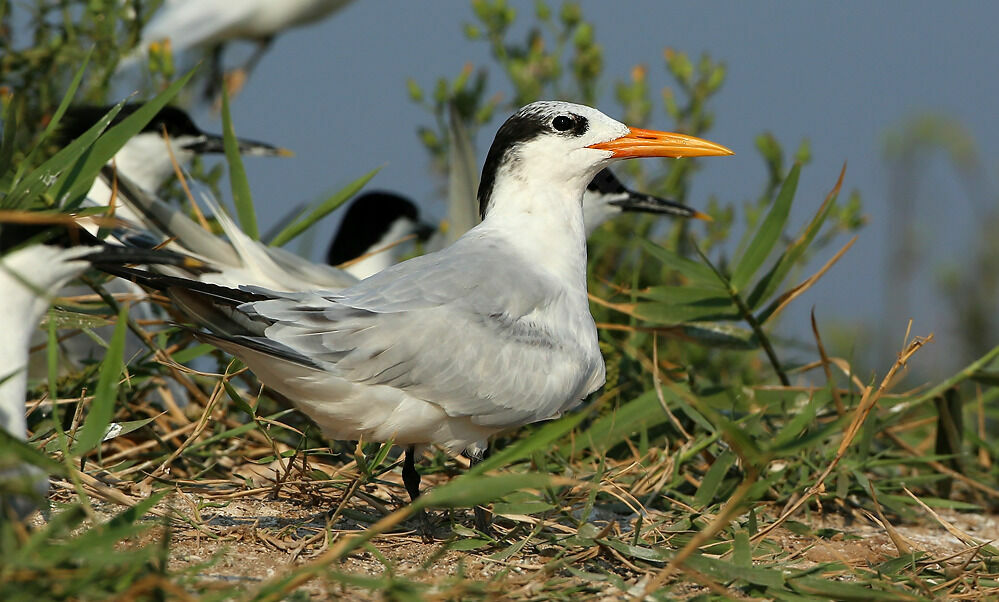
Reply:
x=374, y=226
x=454, y=346
x=147, y=158
x=210, y=24
x=30, y=275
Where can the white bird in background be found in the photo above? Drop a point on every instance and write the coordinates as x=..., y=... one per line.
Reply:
x=147, y=161
x=454, y=346
x=30, y=275
x=210, y=24
x=377, y=224
x=147, y=158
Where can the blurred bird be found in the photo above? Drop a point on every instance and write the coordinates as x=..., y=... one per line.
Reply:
x=373, y=228
x=147, y=161
x=147, y=158
x=451, y=347
x=240, y=260
x=30, y=275
x=210, y=24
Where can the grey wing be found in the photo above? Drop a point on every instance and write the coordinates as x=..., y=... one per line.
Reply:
x=477, y=344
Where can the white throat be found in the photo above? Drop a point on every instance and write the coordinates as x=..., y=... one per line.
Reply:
x=145, y=159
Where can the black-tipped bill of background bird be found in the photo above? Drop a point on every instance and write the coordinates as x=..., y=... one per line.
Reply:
x=449, y=348
x=146, y=157
x=606, y=198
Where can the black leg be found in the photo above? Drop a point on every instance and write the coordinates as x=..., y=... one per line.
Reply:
x=411, y=478
x=483, y=517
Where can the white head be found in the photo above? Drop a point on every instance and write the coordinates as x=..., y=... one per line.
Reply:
x=559, y=147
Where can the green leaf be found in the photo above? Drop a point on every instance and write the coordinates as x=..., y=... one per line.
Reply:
x=696, y=273
x=43, y=176
x=719, y=335
x=14, y=450
x=238, y=399
x=769, y=233
x=7, y=141
x=473, y=490
x=767, y=285
x=742, y=552
x=841, y=590
x=102, y=407
x=714, y=308
x=800, y=421
x=237, y=174
x=723, y=570
x=322, y=209
x=643, y=412
x=713, y=479
x=194, y=351
x=540, y=440
x=67, y=99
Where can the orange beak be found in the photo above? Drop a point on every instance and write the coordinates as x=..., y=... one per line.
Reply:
x=652, y=143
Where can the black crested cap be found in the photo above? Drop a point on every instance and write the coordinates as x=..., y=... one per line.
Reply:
x=367, y=221
x=606, y=182
x=523, y=126
x=80, y=118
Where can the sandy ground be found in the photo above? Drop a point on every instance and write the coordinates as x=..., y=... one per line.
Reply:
x=246, y=542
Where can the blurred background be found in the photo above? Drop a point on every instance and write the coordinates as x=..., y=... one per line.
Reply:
x=903, y=92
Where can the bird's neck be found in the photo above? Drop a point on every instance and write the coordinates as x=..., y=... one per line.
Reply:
x=545, y=223
x=145, y=161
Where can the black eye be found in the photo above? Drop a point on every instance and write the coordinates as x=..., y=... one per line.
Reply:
x=562, y=123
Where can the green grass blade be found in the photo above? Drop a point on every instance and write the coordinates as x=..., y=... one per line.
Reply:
x=767, y=285
x=769, y=233
x=696, y=273
x=237, y=174
x=323, y=209
x=713, y=479
x=102, y=408
x=34, y=183
x=7, y=140
x=473, y=490
x=542, y=440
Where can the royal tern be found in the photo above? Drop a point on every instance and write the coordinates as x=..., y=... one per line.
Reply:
x=451, y=347
x=605, y=196
x=374, y=226
x=210, y=24
x=30, y=275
